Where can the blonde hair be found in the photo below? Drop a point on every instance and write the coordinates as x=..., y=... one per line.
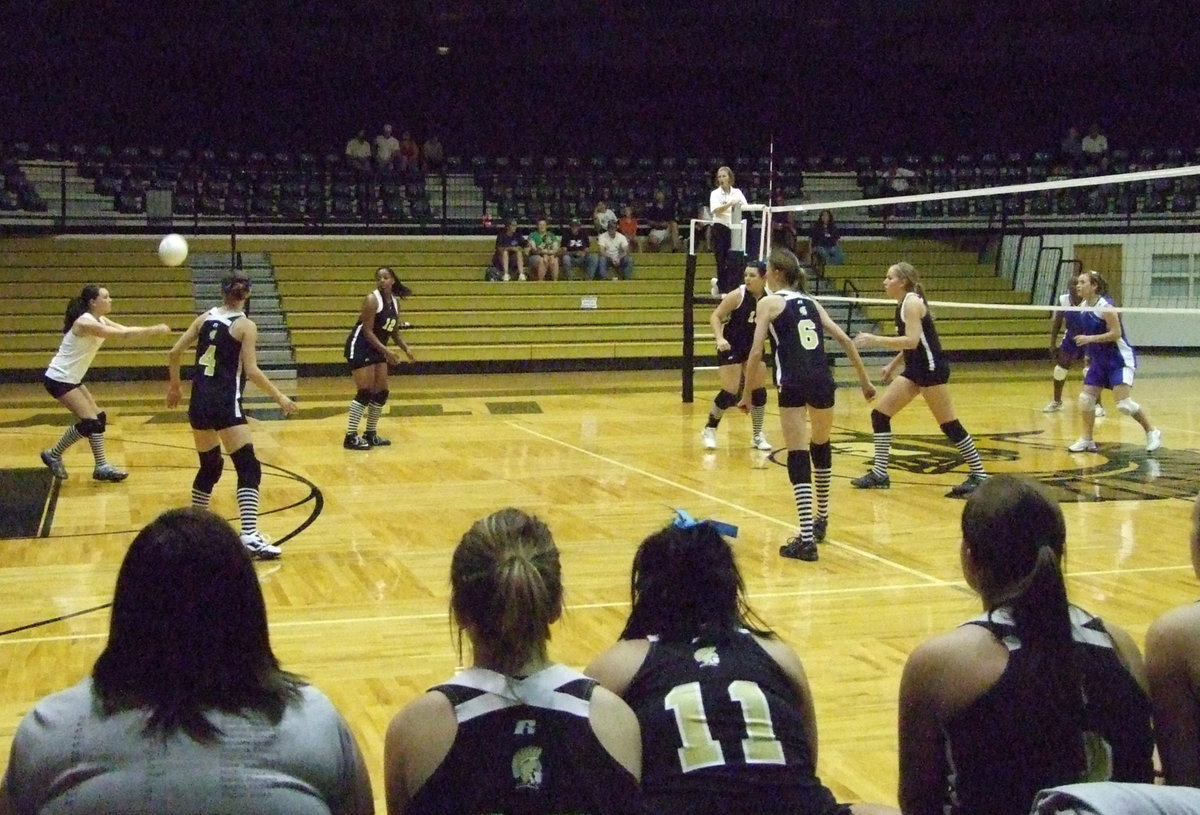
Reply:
x=908, y=273
x=727, y=170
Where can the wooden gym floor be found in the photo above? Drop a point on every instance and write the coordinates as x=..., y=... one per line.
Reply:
x=358, y=603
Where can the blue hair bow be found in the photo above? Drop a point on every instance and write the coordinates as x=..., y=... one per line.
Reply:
x=686, y=521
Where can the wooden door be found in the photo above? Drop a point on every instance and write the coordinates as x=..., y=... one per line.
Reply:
x=1104, y=258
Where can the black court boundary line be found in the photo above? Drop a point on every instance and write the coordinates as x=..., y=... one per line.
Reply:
x=314, y=494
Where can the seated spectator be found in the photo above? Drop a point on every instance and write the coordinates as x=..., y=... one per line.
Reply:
x=515, y=732
x=1114, y=798
x=545, y=248
x=898, y=180
x=358, y=154
x=510, y=246
x=386, y=148
x=601, y=217
x=410, y=155
x=1094, y=145
x=615, y=260
x=627, y=225
x=577, y=253
x=783, y=227
x=187, y=708
x=432, y=154
x=825, y=240
x=1033, y=693
x=1173, y=668
x=724, y=706
x=664, y=228
x=1070, y=149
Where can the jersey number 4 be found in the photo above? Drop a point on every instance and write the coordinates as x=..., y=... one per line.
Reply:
x=700, y=749
x=209, y=360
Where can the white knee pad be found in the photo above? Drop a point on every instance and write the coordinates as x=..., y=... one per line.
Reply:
x=1087, y=402
x=1128, y=406
x=1060, y=373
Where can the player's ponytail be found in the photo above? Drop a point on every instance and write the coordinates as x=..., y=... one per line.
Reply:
x=80, y=305
x=912, y=281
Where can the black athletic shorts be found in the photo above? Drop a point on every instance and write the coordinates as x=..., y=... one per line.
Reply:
x=815, y=393
x=56, y=388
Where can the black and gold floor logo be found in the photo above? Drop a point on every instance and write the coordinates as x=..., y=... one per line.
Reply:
x=1117, y=472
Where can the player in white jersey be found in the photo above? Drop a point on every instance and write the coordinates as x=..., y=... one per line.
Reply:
x=86, y=326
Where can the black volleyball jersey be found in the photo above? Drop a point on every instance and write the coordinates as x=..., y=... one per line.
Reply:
x=722, y=731
x=525, y=746
x=387, y=315
x=927, y=356
x=799, y=340
x=739, y=327
x=996, y=753
x=216, y=378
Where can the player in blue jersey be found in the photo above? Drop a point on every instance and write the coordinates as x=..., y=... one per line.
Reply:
x=225, y=352
x=726, y=713
x=515, y=732
x=1032, y=693
x=797, y=324
x=1066, y=353
x=1111, y=363
x=925, y=373
x=369, y=356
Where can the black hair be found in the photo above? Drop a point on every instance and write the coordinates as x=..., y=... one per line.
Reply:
x=79, y=305
x=398, y=288
x=188, y=631
x=760, y=265
x=506, y=586
x=685, y=584
x=236, y=286
x=1016, y=537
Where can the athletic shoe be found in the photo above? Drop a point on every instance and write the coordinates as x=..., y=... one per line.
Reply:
x=55, y=463
x=353, y=441
x=506, y=278
x=819, y=526
x=109, y=473
x=709, y=436
x=521, y=276
x=760, y=441
x=713, y=288
x=1101, y=412
x=1084, y=446
x=1054, y=407
x=258, y=546
x=375, y=440
x=1153, y=440
x=967, y=487
x=872, y=481
x=799, y=550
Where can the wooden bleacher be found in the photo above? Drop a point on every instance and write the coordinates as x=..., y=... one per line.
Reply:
x=460, y=321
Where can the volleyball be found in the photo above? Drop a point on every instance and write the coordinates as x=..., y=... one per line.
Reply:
x=172, y=249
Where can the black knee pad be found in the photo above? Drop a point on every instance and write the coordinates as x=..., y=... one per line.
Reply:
x=363, y=396
x=379, y=397
x=211, y=465
x=955, y=431
x=799, y=467
x=758, y=397
x=89, y=427
x=822, y=455
x=249, y=471
x=880, y=422
x=102, y=417
x=725, y=400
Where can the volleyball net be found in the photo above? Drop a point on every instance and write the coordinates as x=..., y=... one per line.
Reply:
x=993, y=257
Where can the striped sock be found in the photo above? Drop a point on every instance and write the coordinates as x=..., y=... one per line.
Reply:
x=757, y=412
x=356, y=414
x=803, y=493
x=200, y=498
x=96, y=440
x=373, y=412
x=971, y=455
x=247, y=498
x=822, y=478
x=68, y=438
x=883, y=451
